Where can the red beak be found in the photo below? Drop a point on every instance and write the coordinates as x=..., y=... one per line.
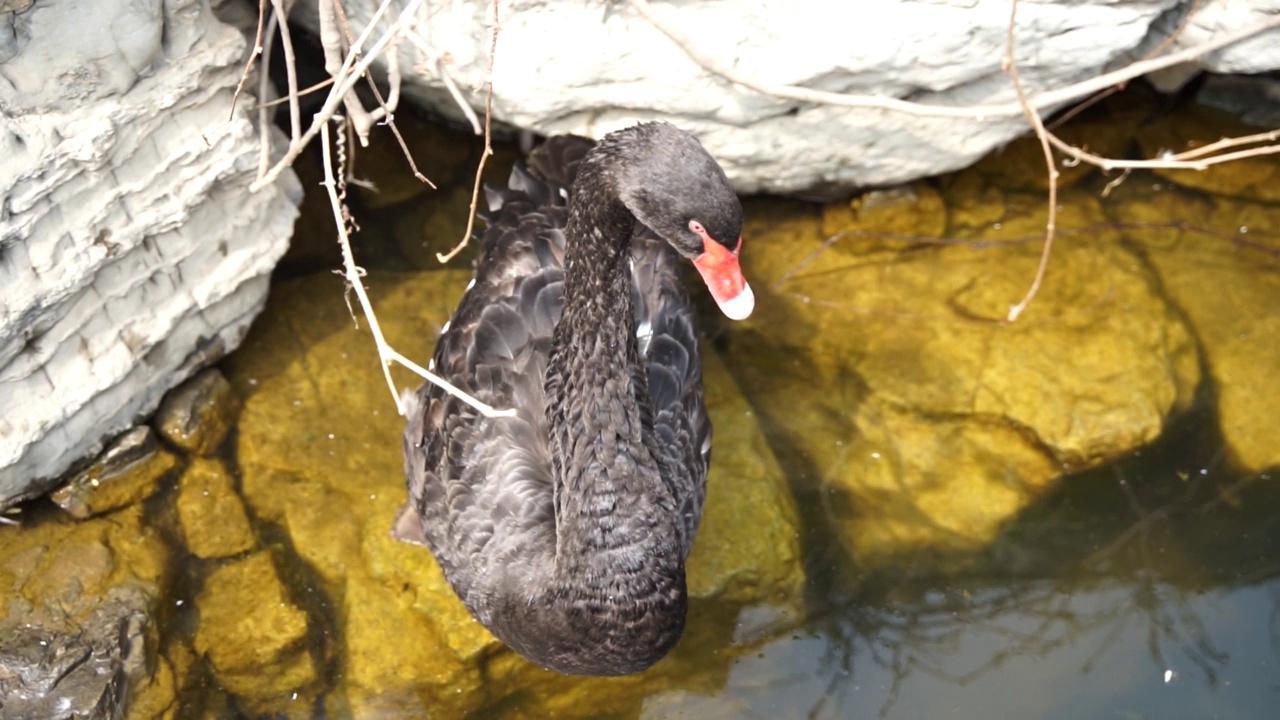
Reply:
x=722, y=274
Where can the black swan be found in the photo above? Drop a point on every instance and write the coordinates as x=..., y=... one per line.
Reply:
x=564, y=529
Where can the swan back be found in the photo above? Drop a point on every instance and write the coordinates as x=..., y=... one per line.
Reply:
x=482, y=493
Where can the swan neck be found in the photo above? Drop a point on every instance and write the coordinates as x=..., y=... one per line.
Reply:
x=613, y=508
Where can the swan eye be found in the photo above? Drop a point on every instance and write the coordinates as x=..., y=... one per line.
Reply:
x=696, y=228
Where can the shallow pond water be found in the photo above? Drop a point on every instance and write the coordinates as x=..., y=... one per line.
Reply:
x=915, y=510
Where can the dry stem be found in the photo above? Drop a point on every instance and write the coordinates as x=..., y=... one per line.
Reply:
x=290, y=69
x=347, y=64
x=488, y=148
x=1042, y=135
x=249, y=61
x=345, y=80
x=353, y=275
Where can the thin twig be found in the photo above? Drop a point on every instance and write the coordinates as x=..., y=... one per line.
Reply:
x=435, y=60
x=1226, y=143
x=1168, y=40
x=248, y=62
x=349, y=263
x=353, y=274
x=1115, y=183
x=488, y=148
x=387, y=107
x=1037, y=124
x=456, y=94
x=264, y=88
x=335, y=58
x=303, y=92
x=1189, y=160
x=290, y=70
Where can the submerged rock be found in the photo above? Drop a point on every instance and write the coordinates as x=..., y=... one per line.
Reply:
x=321, y=460
x=1228, y=287
x=748, y=545
x=78, y=628
x=127, y=472
x=927, y=420
x=196, y=415
x=254, y=637
x=76, y=671
x=210, y=511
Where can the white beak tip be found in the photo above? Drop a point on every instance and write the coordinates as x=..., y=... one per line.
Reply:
x=739, y=306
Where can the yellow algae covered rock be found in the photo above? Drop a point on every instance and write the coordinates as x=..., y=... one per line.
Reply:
x=944, y=485
x=323, y=524
x=210, y=511
x=1228, y=286
x=395, y=661
x=196, y=415
x=898, y=213
x=127, y=472
x=748, y=545
x=68, y=566
x=155, y=697
x=320, y=455
x=411, y=567
x=319, y=448
x=254, y=636
x=902, y=351
x=1090, y=370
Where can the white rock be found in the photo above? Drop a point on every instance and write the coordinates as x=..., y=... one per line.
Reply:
x=588, y=68
x=1258, y=54
x=130, y=248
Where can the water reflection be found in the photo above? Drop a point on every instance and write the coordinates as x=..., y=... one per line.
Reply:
x=1149, y=588
x=1040, y=650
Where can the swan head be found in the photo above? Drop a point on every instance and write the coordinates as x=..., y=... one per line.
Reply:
x=675, y=188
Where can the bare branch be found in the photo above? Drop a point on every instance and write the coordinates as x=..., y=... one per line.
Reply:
x=456, y=94
x=435, y=60
x=488, y=147
x=248, y=62
x=303, y=92
x=353, y=275
x=264, y=89
x=1190, y=160
x=346, y=78
x=1037, y=124
x=290, y=69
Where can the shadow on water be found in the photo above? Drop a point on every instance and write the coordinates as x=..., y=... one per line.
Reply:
x=1144, y=588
